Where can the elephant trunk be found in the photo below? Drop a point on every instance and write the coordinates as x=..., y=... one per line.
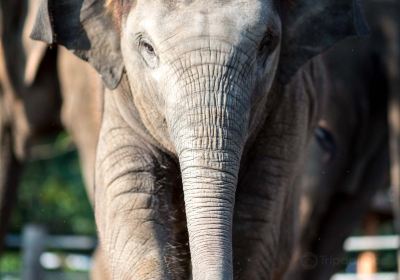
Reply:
x=208, y=122
x=209, y=189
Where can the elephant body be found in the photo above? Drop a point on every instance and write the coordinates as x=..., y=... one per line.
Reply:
x=270, y=224
x=204, y=125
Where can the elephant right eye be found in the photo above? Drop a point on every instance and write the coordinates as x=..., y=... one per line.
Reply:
x=148, y=53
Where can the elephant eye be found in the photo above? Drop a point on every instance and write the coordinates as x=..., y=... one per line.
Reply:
x=327, y=142
x=149, y=48
x=148, y=53
x=268, y=43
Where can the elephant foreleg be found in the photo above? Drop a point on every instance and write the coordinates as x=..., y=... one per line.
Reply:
x=138, y=219
x=392, y=61
x=10, y=171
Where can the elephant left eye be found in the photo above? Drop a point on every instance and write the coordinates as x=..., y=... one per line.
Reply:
x=148, y=53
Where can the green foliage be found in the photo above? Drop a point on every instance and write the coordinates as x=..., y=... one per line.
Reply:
x=10, y=262
x=52, y=192
x=387, y=261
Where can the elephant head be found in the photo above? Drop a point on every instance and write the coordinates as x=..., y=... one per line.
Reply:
x=199, y=74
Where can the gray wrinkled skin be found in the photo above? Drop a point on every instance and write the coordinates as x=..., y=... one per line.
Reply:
x=202, y=135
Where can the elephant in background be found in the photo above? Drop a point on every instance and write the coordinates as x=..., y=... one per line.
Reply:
x=81, y=111
x=361, y=114
x=207, y=114
x=28, y=84
x=43, y=91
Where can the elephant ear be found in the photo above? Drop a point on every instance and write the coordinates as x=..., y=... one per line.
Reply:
x=312, y=26
x=85, y=28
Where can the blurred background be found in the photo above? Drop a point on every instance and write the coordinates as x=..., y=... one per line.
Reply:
x=52, y=202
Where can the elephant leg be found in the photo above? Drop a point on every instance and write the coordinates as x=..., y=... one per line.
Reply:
x=138, y=209
x=394, y=124
x=392, y=60
x=10, y=172
x=82, y=93
x=289, y=232
x=264, y=231
x=263, y=235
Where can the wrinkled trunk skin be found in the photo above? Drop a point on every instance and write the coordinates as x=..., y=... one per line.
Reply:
x=208, y=113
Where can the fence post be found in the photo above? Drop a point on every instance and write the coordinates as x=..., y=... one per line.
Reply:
x=33, y=244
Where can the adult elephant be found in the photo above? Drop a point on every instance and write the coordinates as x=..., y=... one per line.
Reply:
x=43, y=90
x=347, y=163
x=29, y=98
x=206, y=108
x=339, y=192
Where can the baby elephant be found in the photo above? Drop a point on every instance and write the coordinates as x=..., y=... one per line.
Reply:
x=205, y=120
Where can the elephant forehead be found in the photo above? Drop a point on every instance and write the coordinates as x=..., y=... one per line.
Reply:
x=165, y=18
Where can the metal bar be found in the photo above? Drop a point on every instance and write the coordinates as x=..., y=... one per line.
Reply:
x=377, y=276
x=372, y=243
